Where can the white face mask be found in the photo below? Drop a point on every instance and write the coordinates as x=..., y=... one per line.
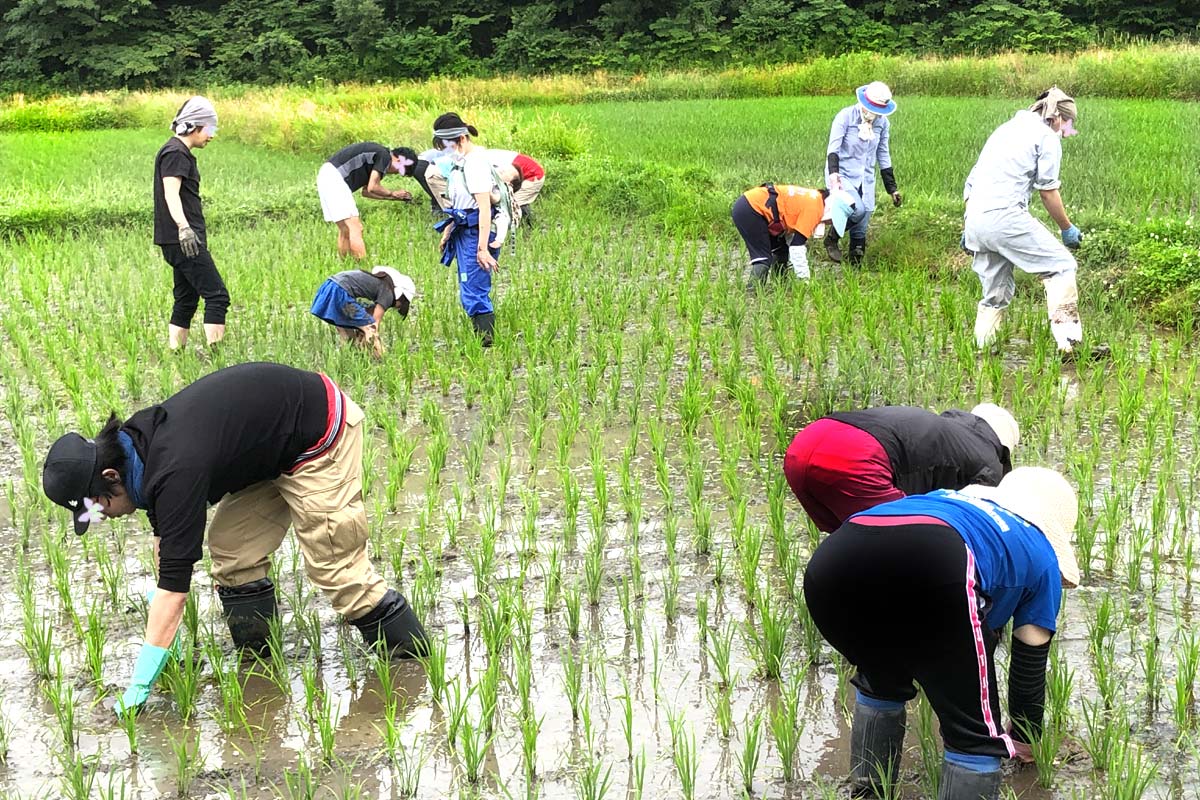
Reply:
x=866, y=127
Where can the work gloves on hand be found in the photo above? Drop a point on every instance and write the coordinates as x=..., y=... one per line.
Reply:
x=146, y=670
x=897, y=199
x=189, y=242
x=798, y=256
x=1071, y=237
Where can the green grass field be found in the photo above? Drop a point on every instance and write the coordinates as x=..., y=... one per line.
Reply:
x=591, y=516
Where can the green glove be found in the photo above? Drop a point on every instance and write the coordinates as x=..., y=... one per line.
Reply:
x=149, y=666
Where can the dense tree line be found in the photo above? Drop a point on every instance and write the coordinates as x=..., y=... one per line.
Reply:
x=95, y=44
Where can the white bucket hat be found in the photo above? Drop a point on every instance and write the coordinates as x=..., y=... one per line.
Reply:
x=402, y=284
x=1043, y=498
x=1000, y=421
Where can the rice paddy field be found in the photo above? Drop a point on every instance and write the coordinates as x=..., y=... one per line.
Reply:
x=591, y=517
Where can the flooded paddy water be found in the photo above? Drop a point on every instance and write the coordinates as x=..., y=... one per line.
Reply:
x=593, y=523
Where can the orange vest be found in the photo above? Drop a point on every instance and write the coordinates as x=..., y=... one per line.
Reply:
x=800, y=209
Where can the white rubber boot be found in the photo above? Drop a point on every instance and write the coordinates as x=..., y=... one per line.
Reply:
x=1062, y=305
x=987, y=323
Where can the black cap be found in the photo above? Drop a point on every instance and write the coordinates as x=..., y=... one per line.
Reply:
x=67, y=475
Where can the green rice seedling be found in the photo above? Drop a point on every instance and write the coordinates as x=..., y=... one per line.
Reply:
x=720, y=651
x=749, y=553
x=671, y=592
x=685, y=756
x=571, y=493
x=37, y=640
x=61, y=696
x=115, y=788
x=128, y=723
x=1103, y=729
x=590, y=784
x=78, y=775
x=489, y=695
x=593, y=570
x=670, y=536
x=183, y=678
x=275, y=666
x=310, y=678
x=626, y=700
x=552, y=579
x=751, y=752
x=927, y=743
x=455, y=708
x=768, y=640
x=1138, y=539
x=1150, y=657
x=5, y=738
x=95, y=637
x=1060, y=684
x=434, y=662
x=299, y=783
x=722, y=703
x=572, y=666
x=702, y=534
x=409, y=762
x=625, y=600
x=718, y=570
x=189, y=760
x=787, y=726
x=702, y=620
x=495, y=624
x=638, y=770
x=390, y=730
x=1187, y=660
x=572, y=602
x=324, y=727
x=531, y=726
x=1131, y=771
x=473, y=744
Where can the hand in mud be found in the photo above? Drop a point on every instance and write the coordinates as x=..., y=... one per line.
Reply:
x=1024, y=753
x=401, y=194
x=897, y=199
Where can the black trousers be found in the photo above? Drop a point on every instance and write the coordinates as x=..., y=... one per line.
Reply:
x=419, y=173
x=901, y=603
x=196, y=278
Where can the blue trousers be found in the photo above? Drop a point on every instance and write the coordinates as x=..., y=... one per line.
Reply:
x=474, y=282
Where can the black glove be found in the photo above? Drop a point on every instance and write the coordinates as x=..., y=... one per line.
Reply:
x=189, y=242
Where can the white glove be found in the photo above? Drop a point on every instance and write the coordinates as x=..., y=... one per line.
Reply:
x=833, y=182
x=798, y=255
x=819, y=231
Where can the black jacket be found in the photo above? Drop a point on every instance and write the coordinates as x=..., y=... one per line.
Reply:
x=933, y=451
x=223, y=433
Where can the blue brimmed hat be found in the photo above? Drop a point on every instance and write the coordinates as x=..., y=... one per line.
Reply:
x=877, y=98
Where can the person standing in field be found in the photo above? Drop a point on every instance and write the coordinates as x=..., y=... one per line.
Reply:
x=1021, y=155
x=179, y=227
x=336, y=303
x=353, y=168
x=477, y=220
x=508, y=165
x=272, y=447
x=934, y=579
x=766, y=214
x=850, y=461
x=859, y=139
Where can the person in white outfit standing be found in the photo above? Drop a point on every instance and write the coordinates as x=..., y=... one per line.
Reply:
x=1021, y=155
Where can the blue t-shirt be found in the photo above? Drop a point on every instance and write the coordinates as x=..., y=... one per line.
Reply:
x=1017, y=568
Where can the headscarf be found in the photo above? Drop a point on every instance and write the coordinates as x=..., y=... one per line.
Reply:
x=195, y=113
x=1054, y=102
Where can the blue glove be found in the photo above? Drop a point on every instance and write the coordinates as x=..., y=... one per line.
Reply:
x=149, y=666
x=1071, y=237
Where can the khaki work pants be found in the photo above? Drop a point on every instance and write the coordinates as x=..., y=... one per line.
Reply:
x=528, y=192
x=323, y=502
x=438, y=185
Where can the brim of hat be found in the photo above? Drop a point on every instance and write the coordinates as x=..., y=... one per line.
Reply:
x=1068, y=564
x=874, y=108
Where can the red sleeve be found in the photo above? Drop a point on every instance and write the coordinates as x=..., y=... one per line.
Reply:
x=530, y=169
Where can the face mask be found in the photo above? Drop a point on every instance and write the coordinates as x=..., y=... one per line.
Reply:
x=865, y=128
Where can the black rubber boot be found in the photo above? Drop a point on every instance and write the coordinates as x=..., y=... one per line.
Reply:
x=394, y=622
x=248, y=611
x=759, y=272
x=485, y=326
x=876, y=744
x=960, y=783
x=832, y=248
x=858, y=249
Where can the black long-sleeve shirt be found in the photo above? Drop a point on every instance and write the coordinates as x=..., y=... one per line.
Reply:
x=230, y=429
x=933, y=451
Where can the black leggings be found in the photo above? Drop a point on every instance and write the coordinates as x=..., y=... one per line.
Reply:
x=901, y=603
x=195, y=278
x=764, y=248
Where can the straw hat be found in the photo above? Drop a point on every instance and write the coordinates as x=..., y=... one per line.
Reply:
x=1043, y=498
x=1000, y=421
x=402, y=285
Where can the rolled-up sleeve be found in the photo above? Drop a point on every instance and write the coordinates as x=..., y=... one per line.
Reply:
x=1049, y=160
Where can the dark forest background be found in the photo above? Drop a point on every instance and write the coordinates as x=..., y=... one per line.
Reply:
x=104, y=44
